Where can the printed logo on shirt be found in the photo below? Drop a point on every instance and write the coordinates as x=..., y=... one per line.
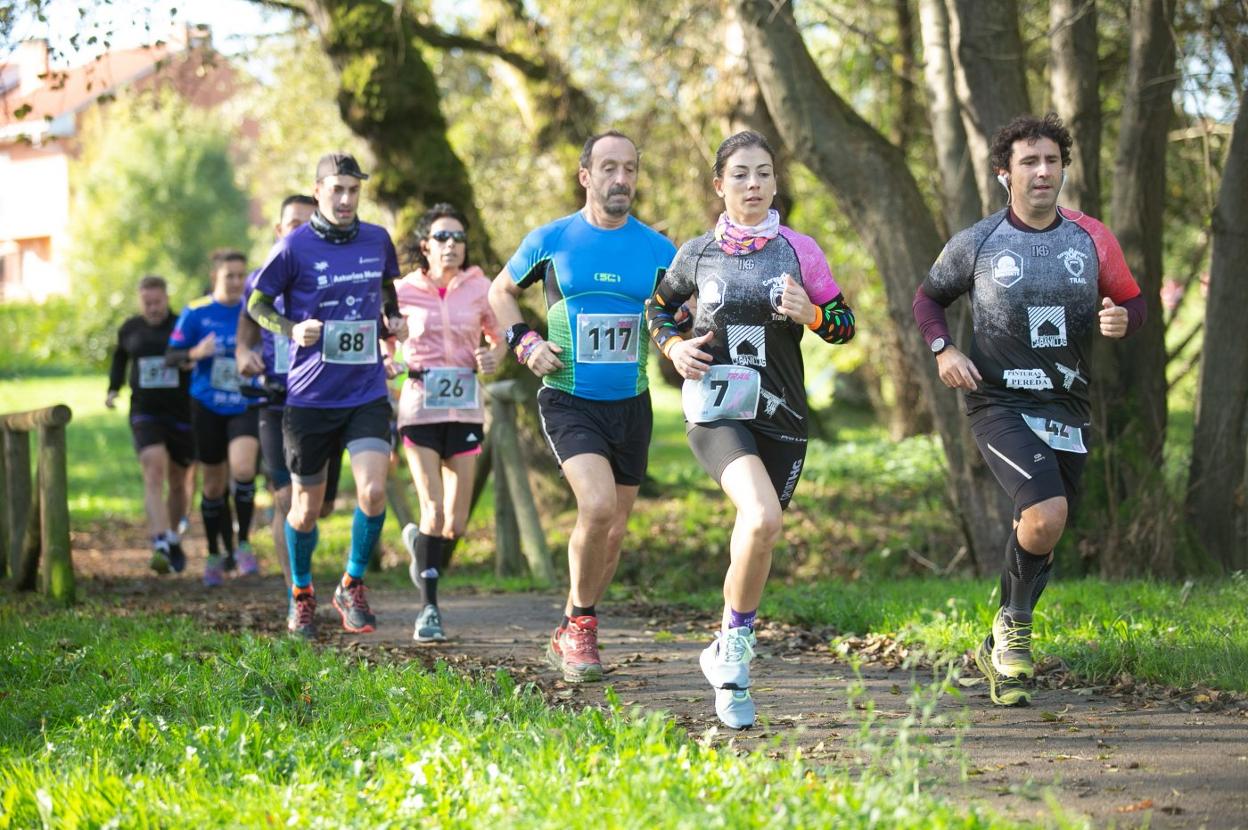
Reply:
x=775, y=287
x=1007, y=268
x=711, y=295
x=1034, y=379
x=1069, y=375
x=1048, y=326
x=747, y=345
x=322, y=281
x=604, y=276
x=745, y=263
x=1074, y=261
x=1037, y=458
x=774, y=402
x=321, y=266
x=364, y=260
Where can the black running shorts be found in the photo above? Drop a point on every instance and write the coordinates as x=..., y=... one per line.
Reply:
x=273, y=448
x=1028, y=468
x=175, y=434
x=619, y=431
x=314, y=435
x=214, y=432
x=448, y=439
x=717, y=444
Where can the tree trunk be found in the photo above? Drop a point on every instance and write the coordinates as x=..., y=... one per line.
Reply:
x=1129, y=381
x=1074, y=79
x=953, y=158
x=873, y=185
x=1217, y=495
x=991, y=80
x=389, y=97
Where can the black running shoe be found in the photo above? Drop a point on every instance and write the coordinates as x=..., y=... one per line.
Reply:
x=177, y=557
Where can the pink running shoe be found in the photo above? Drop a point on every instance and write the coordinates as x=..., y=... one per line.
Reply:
x=573, y=651
x=214, y=572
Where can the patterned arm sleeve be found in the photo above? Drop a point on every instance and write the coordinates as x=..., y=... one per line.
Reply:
x=675, y=286
x=836, y=321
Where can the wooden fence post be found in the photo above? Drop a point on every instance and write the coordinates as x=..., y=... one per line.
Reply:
x=510, y=462
x=37, y=518
x=17, y=504
x=58, y=566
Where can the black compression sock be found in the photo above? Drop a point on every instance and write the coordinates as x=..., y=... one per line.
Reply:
x=584, y=611
x=210, y=510
x=448, y=550
x=1023, y=570
x=227, y=526
x=428, y=562
x=244, y=505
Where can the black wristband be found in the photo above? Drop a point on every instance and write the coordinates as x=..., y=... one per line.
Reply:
x=515, y=332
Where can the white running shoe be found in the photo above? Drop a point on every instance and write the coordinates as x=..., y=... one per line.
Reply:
x=726, y=665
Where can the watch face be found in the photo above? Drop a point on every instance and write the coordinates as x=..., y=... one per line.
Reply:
x=938, y=345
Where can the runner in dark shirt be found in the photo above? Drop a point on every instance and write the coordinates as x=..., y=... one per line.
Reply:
x=160, y=419
x=1042, y=281
x=759, y=286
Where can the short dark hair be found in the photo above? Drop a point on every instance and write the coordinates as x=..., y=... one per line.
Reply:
x=224, y=255
x=414, y=257
x=294, y=199
x=153, y=282
x=587, y=151
x=739, y=141
x=1029, y=128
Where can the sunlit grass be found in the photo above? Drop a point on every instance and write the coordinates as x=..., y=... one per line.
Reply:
x=133, y=722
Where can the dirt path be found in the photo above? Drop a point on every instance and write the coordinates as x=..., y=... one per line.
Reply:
x=1113, y=755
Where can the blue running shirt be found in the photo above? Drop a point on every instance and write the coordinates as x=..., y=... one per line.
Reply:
x=597, y=282
x=214, y=380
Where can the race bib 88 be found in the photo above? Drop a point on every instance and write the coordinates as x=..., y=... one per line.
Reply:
x=352, y=342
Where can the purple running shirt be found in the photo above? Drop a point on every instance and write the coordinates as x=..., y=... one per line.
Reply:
x=340, y=285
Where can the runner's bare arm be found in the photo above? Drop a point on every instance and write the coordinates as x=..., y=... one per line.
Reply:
x=528, y=346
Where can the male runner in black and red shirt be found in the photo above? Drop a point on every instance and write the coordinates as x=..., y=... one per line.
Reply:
x=1042, y=281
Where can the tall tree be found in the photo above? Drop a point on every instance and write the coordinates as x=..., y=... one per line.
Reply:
x=1074, y=78
x=1129, y=382
x=877, y=191
x=1217, y=496
x=990, y=80
x=389, y=97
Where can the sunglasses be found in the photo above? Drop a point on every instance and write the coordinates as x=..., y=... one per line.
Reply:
x=447, y=236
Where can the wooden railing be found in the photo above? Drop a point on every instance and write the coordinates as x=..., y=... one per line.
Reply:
x=34, y=517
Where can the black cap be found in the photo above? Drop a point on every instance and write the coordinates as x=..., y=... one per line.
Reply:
x=338, y=164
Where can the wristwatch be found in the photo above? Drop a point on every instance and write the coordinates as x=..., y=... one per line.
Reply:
x=939, y=345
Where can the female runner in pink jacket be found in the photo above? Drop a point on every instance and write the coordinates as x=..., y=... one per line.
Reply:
x=441, y=418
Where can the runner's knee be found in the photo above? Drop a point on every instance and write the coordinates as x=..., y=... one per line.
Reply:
x=1041, y=525
x=761, y=521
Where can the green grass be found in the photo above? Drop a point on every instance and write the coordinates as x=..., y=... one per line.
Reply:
x=1177, y=635
x=141, y=722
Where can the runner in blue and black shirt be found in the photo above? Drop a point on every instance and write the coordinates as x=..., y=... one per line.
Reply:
x=224, y=426
x=596, y=267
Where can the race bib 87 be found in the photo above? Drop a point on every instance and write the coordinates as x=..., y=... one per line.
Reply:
x=154, y=374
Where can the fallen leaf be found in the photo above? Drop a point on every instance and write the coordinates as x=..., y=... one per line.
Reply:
x=1146, y=804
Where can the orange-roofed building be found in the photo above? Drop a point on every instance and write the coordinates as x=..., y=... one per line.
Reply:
x=41, y=110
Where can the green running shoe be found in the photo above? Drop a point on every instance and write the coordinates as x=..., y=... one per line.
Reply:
x=1004, y=691
x=160, y=561
x=1011, y=650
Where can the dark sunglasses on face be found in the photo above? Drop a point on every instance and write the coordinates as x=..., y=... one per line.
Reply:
x=446, y=236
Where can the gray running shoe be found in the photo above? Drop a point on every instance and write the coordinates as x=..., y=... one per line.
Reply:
x=429, y=626
x=301, y=615
x=352, y=605
x=725, y=664
x=1003, y=689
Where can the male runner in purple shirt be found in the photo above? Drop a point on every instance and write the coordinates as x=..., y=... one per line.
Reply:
x=335, y=276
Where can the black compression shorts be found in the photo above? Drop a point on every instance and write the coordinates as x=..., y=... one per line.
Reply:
x=214, y=432
x=151, y=428
x=619, y=431
x=313, y=436
x=717, y=444
x=1028, y=468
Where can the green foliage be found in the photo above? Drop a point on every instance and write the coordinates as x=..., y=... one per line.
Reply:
x=35, y=337
x=154, y=193
x=1177, y=635
x=145, y=721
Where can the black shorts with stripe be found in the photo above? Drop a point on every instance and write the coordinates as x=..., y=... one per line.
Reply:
x=1027, y=468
